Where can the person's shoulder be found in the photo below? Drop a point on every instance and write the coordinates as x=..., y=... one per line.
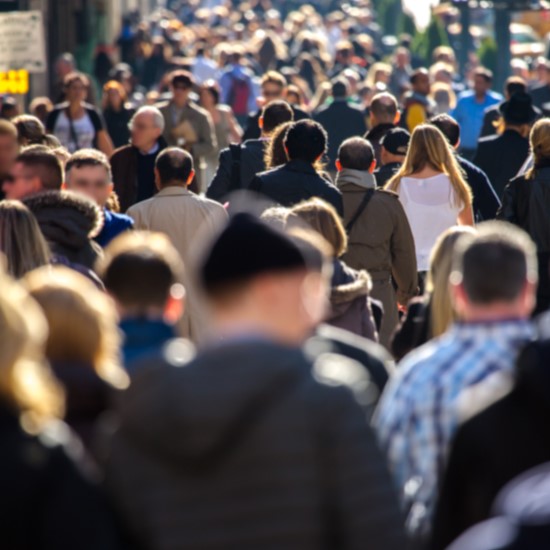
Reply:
x=162, y=105
x=122, y=151
x=198, y=110
x=488, y=141
x=465, y=96
x=121, y=220
x=385, y=196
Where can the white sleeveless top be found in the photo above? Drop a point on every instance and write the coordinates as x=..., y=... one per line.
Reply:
x=430, y=208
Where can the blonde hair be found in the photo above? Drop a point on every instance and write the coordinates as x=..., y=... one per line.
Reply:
x=540, y=144
x=21, y=240
x=429, y=147
x=324, y=220
x=437, y=284
x=26, y=382
x=82, y=321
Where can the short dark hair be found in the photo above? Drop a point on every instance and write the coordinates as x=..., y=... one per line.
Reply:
x=174, y=165
x=356, y=153
x=494, y=264
x=45, y=165
x=421, y=71
x=182, y=77
x=384, y=106
x=484, y=73
x=276, y=113
x=88, y=157
x=449, y=127
x=306, y=140
x=515, y=84
x=149, y=254
x=339, y=88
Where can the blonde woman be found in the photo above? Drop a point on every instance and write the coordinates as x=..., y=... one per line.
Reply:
x=432, y=189
x=431, y=315
x=21, y=240
x=83, y=345
x=47, y=499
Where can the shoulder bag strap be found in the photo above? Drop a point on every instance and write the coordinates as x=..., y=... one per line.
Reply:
x=366, y=199
x=235, y=182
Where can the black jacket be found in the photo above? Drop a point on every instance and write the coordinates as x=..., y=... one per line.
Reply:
x=68, y=222
x=501, y=157
x=48, y=499
x=526, y=203
x=501, y=442
x=250, y=164
x=386, y=172
x=253, y=131
x=372, y=356
x=375, y=135
x=490, y=116
x=341, y=121
x=486, y=201
x=245, y=447
x=117, y=125
x=541, y=97
x=294, y=182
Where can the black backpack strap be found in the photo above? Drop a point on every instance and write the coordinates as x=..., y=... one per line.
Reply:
x=235, y=182
x=366, y=199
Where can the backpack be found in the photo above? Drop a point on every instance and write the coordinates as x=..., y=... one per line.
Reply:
x=239, y=94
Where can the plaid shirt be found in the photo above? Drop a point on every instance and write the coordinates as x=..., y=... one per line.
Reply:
x=418, y=416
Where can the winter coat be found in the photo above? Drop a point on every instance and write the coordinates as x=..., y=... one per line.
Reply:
x=294, y=182
x=501, y=157
x=526, y=203
x=349, y=300
x=381, y=243
x=251, y=163
x=217, y=453
x=68, y=222
x=187, y=220
x=124, y=165
x=49, y=499
x=492, y=448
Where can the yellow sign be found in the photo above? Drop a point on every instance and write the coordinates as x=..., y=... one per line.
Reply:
x=14, y=82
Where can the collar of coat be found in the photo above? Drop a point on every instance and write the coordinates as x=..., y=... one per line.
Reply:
x=357, y=177
x=173, y=190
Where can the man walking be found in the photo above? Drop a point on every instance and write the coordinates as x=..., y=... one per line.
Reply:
x=380, y=239
x=239, y=164
x=186, y=218
x=493, y=286
x=296, y=181
x=218, y=453
x=133, y=164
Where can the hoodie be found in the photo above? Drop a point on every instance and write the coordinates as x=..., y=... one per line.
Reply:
x=68, y=222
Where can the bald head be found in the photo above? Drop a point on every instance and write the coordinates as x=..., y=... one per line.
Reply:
x=383, y=109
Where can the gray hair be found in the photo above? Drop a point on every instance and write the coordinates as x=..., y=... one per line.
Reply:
x=158, y=118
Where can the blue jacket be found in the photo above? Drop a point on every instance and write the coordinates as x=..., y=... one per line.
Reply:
x=114, y=225
x=143, y=337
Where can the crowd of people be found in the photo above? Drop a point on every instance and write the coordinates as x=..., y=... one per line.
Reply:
x=269, y=282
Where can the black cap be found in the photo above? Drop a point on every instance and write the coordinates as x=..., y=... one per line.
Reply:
x=396, y=141
x=518, y=109
x=248, y=247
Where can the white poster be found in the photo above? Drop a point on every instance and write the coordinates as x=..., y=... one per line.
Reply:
x=22, y=44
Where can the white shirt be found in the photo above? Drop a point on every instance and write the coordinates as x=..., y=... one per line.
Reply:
x=431, y=208
x=83, y=128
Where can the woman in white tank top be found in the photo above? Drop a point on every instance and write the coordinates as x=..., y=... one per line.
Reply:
x=432, y=189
